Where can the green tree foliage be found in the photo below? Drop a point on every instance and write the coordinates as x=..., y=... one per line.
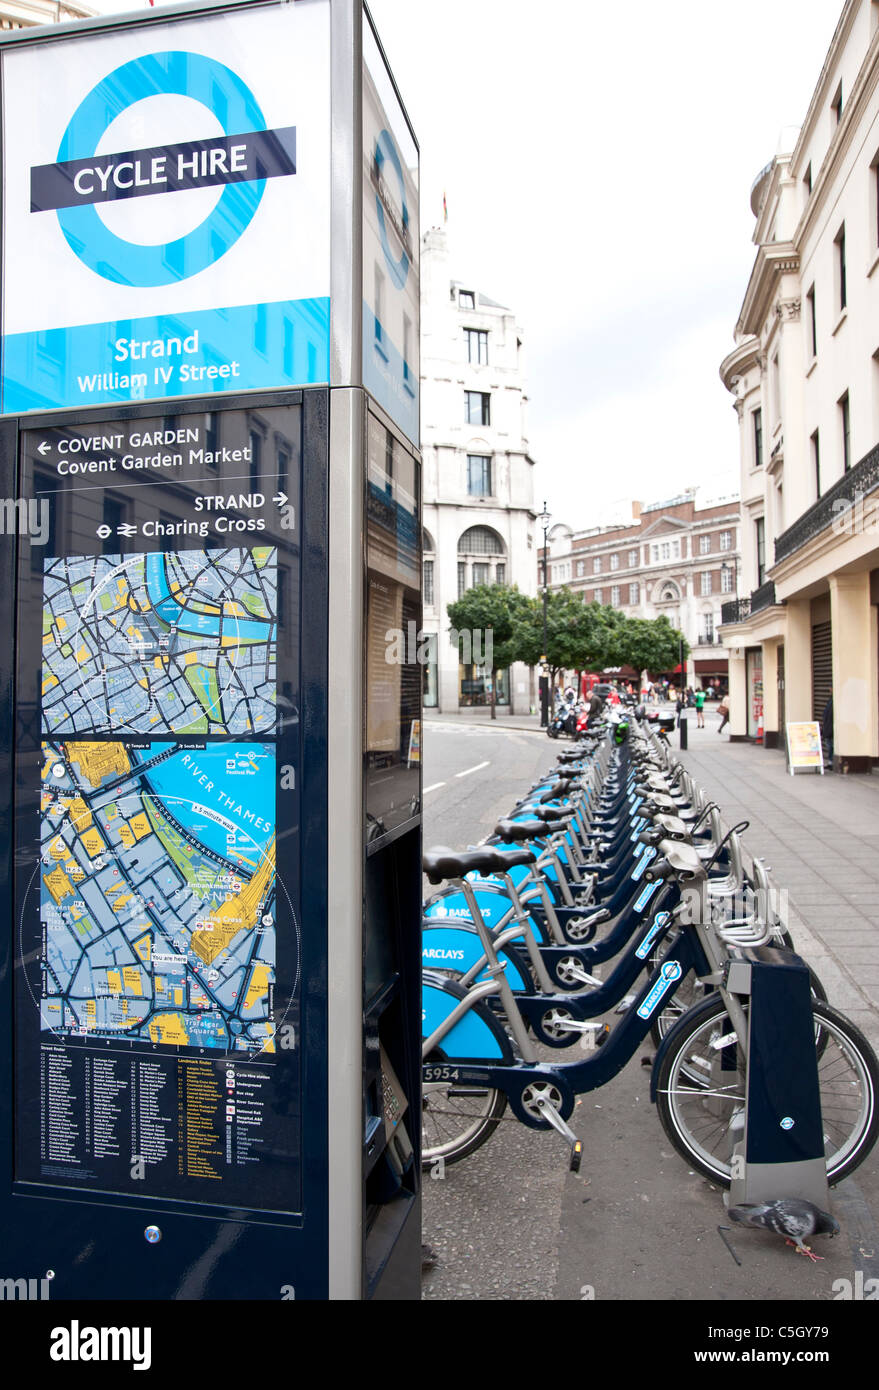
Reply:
x=579, y=636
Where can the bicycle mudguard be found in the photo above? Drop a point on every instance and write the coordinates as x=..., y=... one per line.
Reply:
x=493, y=905
x=455, y=945
x=476, y=1037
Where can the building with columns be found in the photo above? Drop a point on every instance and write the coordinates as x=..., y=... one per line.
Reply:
x=804, y=375
x=478, y=474
x=674, y=558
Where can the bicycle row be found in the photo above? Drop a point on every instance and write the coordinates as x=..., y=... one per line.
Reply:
x=615, y=862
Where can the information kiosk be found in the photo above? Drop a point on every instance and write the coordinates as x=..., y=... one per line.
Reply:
x=211, y=774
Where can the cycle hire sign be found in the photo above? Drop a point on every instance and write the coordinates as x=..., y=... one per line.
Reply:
x=166, y=198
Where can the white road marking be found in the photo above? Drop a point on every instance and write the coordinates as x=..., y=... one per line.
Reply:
x=432, y=788
x=468, y=770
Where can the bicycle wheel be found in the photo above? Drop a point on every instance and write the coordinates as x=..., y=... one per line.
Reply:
x=701, y=1096
x=456, y=1119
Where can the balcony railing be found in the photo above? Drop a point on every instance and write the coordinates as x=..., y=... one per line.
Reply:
x=858, y=481
x=764, y=597
x=736, y=611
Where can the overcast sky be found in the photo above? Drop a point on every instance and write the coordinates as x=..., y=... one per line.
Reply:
x=597, y=161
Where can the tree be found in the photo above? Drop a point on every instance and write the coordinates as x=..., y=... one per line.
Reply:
x=651, y=644
x=486, y=619
x=577, y=634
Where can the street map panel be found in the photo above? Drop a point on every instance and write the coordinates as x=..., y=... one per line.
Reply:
x=158, y=892
x=160, y=643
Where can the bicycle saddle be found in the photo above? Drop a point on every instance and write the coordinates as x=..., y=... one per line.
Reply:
x=512, y=858
x=509, y=830
x=440, y=863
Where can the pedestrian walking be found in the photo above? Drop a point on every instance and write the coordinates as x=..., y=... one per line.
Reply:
x=699, y=701
x=827, y=729
x=723, y=711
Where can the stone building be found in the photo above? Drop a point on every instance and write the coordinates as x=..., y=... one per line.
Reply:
x=804, y=375
x=478, y=488
x=674, y=558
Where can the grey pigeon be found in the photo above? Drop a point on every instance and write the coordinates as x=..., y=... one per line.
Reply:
x=792, y=1217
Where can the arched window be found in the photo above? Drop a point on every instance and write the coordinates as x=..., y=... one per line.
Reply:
x=481, y=558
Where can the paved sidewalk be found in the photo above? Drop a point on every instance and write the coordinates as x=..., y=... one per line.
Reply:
x=820, y=837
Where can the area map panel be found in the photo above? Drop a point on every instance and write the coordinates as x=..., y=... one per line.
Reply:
x=161, y=643
x=157, y=896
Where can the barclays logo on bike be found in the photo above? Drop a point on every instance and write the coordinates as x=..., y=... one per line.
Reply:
x=671, y=972
x=644, y=948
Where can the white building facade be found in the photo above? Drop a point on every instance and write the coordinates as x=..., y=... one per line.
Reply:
x=805, y=377
x=478, y=475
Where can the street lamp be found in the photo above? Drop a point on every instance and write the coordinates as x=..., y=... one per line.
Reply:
x=543, y=520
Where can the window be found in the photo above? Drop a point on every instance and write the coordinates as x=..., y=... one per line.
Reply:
x=707, y=635
x=500, y=574
x=212, y=438
x=478, y=475
x=836, y=105
x=615, y=596
x=841, y=290
x=726, y=540
x=479, y=540
x=775, y=389
x=477, y=408
x=705, y=583
x=428, y=583
x=726, y=579
x=704, y=545
x=634, y=593
x=760, y=535
x=596, y=565
x=816, y=462
x=812, y=321
x=481, y=573
x=255, y=459
x=477, y=346
x=758, y=437
x=614, y=562
x=466, y=299
x=581, y=568
x=599, y=596
x=845, y=422
x=633, y=558
x=462, y=578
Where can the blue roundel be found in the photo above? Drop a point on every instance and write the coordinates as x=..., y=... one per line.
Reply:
x=161, y=74
x=386, y=149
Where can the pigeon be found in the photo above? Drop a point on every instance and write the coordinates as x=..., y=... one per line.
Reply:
x=791, y=1217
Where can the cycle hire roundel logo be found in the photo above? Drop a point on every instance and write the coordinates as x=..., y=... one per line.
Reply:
x=240, y=161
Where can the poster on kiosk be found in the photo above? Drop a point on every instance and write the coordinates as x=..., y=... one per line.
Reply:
x=165, y=401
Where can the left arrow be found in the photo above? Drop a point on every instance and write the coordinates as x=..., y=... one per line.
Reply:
x=43, y=448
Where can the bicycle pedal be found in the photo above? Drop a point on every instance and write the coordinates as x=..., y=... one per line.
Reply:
x=602, y=1036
